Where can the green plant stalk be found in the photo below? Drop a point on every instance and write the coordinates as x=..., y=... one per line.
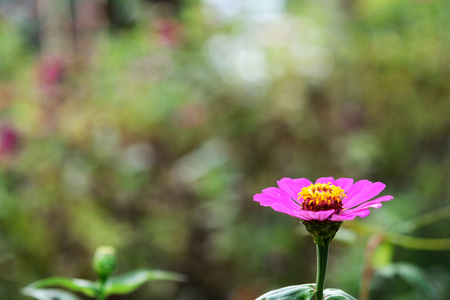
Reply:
x=322, y=262
x=101, y=291
x=323, y=233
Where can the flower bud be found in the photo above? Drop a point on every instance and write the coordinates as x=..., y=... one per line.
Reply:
x=322, y=231
x=104, y=261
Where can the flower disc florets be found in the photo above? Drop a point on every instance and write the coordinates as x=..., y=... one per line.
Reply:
x=321, y=196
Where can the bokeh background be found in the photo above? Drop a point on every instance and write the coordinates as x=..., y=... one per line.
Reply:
x=150, y=125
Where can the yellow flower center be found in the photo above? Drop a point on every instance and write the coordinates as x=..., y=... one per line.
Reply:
x=322, y=196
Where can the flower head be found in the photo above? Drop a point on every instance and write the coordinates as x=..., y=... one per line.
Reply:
x=9, y=140
x=325, y=200
x=104, y=261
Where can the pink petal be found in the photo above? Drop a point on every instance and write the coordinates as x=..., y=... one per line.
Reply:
x=283, y=209
x=325, y=180
x=344, y=183
x=365, y=194
x=315, y=215
x=375, y=203
x=273, y=195
x=362, y=210
x=355, y=189
x=293, y=186
x=338, y=218
x=363, y=213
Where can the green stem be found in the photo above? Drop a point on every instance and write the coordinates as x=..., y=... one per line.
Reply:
x=322, y=261
x=101, y=291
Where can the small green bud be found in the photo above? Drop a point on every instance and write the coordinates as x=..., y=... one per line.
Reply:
x=104, y=261
x=322, y=231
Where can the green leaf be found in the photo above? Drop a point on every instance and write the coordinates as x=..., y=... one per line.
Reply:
x=383, y=255
x=48, y=294
x=336, y=294
x=294, y=292
x=419, y=243
x=128, y=282
x=86, y=287
x=423, y=220
x=411, y=274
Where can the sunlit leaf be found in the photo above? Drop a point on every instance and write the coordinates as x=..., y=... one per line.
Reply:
x=294, y=292
x=86, y=287
x=336, y=294
x=128, y=282
x=383, y=255
x=48, y=294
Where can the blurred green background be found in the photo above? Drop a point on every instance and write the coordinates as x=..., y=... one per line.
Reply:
x=150, y=125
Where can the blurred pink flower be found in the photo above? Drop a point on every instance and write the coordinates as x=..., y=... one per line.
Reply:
x=9, y=141
x=50, y=72
x=326, y=199
x=169, y=32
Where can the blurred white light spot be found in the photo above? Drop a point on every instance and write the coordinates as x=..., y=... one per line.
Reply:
x=250, y=64
x=315, y=62
x=138, y=157
x=254, y=10
x=199, y=162
x=237, y=60
x=77, y=176
x=224, y=9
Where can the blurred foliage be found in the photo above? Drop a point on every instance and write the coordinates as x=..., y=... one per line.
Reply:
x=154, y=136
x=103, y=263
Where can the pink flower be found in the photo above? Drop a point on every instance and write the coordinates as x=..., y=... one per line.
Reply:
x=169, y=32
x=51, y=72
x=9, y=140
x=327, y=199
